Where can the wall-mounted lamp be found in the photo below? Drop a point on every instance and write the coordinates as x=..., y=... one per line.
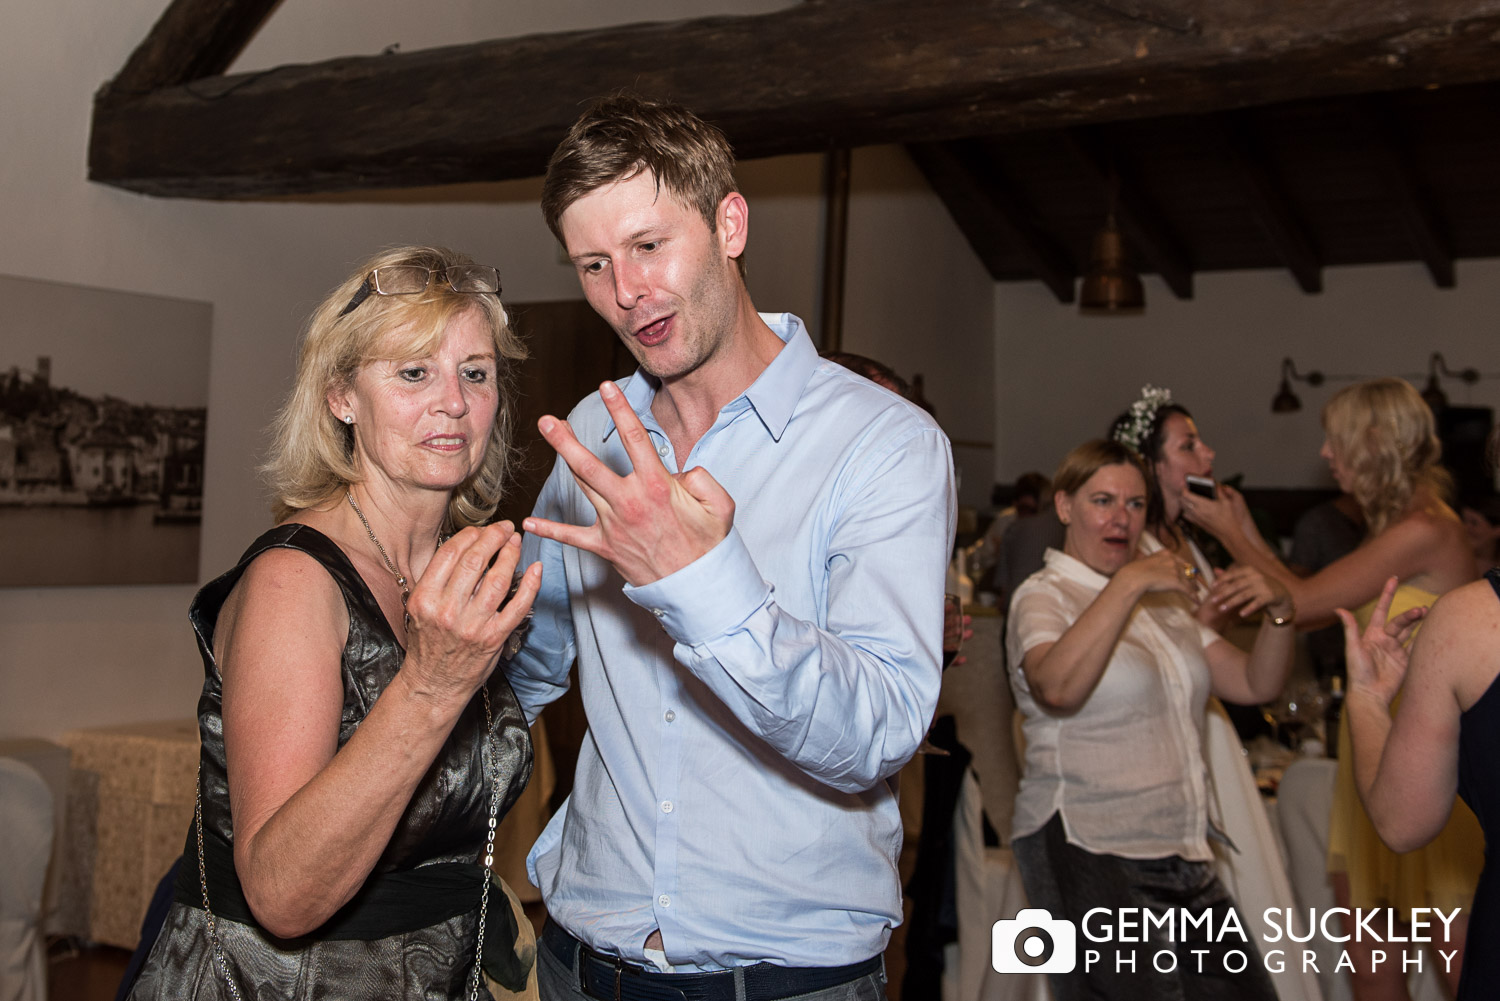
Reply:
x=1437, y=399
x=1286, y=401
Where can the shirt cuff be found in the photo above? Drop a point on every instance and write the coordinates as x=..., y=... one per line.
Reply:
x=708, y=597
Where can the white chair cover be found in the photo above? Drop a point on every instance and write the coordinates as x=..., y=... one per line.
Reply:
x=988, y=889
x=1255, y=875
x=25, y=846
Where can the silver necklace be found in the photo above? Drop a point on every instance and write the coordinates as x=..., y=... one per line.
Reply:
x=401, y=581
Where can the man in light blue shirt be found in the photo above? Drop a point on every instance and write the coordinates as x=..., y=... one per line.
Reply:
x=744, y=547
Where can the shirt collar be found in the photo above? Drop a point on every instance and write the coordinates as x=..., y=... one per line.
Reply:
x=1074, y=569
x=774, y=393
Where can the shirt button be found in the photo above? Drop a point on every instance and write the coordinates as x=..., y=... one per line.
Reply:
x=666, y=806
x=662, y=450
x=670, y=716
x=659, y=613
x=664, y=900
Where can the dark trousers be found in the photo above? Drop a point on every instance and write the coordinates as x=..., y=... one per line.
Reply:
x=1189, y=966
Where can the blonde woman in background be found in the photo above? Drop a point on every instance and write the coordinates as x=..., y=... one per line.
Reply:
x=1381, y=446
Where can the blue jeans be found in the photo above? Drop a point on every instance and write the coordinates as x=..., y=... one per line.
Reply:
x=556, y=982
x=1190, y=966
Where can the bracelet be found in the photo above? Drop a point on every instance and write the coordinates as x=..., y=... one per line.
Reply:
x=1282, y=620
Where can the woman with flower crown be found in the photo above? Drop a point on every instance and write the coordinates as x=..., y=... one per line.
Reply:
x=1165, y=436
x=1163, y=433
x=1381, y=446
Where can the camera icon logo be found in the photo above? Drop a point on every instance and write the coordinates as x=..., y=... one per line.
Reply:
x=1033, y=942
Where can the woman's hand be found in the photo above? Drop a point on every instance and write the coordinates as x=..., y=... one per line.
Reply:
x=1246, y=590
x=957, y=629
x=1222, y=516
x=1163, y=570
x=1377, y=659
x=460, y=619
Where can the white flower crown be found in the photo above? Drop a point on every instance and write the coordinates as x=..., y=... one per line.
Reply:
x=1142, y=416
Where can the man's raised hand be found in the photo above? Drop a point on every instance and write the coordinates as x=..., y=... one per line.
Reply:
x=651, y=522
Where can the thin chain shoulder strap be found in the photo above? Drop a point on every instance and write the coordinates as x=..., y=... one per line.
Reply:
x=213, y=930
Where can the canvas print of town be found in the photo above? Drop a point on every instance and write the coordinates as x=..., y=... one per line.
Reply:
x=103, y=406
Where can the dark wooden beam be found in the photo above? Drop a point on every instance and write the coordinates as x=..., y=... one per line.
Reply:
x=991, y=215
x=1140, y=219
x=836, y=164
x=1268, y=201
x=805, y=78
x=192, y=39
x=1390, y=154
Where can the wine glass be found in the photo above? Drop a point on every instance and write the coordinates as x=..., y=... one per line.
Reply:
x=1297, y=713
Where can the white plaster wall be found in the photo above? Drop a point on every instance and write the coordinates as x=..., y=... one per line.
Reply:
x=74, y=657
x=920, y=301
x=1061, y=378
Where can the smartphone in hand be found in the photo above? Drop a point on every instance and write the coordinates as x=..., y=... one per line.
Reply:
x=1203, y=486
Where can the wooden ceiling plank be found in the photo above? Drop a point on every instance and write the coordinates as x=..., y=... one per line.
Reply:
x=794, y=80
x=1140, y=219
x=1269, y=202
x=191, y=40
x=1390, y=154
x=990, y=214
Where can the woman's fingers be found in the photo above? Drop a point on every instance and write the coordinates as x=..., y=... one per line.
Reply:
x=1404, y=625
x=518, y=607
x=492, y=587
x=1356, y=657
x=1383, y=604
x=460, y=618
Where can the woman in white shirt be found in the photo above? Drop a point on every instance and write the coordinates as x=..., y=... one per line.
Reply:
x=1111, y=673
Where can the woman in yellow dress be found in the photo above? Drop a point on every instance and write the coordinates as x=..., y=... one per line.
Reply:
x=1381, y=446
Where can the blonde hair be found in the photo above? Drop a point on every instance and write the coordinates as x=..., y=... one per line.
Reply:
x=1384, y=434
x=311, y=459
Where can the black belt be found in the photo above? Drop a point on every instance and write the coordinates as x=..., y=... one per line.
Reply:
x=610, y=978
x=387, y=904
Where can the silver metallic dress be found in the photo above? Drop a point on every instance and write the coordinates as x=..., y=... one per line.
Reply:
x=444, y=823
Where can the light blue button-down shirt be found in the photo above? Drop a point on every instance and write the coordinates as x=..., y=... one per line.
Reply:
x=747, y=714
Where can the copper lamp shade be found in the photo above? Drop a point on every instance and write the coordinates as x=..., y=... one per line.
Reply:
x=1111, y=287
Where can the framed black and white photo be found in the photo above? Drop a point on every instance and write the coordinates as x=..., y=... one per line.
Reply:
x=103, y=410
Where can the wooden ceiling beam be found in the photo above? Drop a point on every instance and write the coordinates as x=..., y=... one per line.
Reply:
x=1269, y=202
x=1391, y=156
x=191, y=40
x=991, y=215
x=805, y=78
x=1140, y=219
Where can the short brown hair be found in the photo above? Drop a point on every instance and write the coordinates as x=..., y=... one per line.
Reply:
x=623, y=134
x=311, y=460
x=1087, y=459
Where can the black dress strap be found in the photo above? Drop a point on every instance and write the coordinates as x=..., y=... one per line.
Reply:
x=1493, y=576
